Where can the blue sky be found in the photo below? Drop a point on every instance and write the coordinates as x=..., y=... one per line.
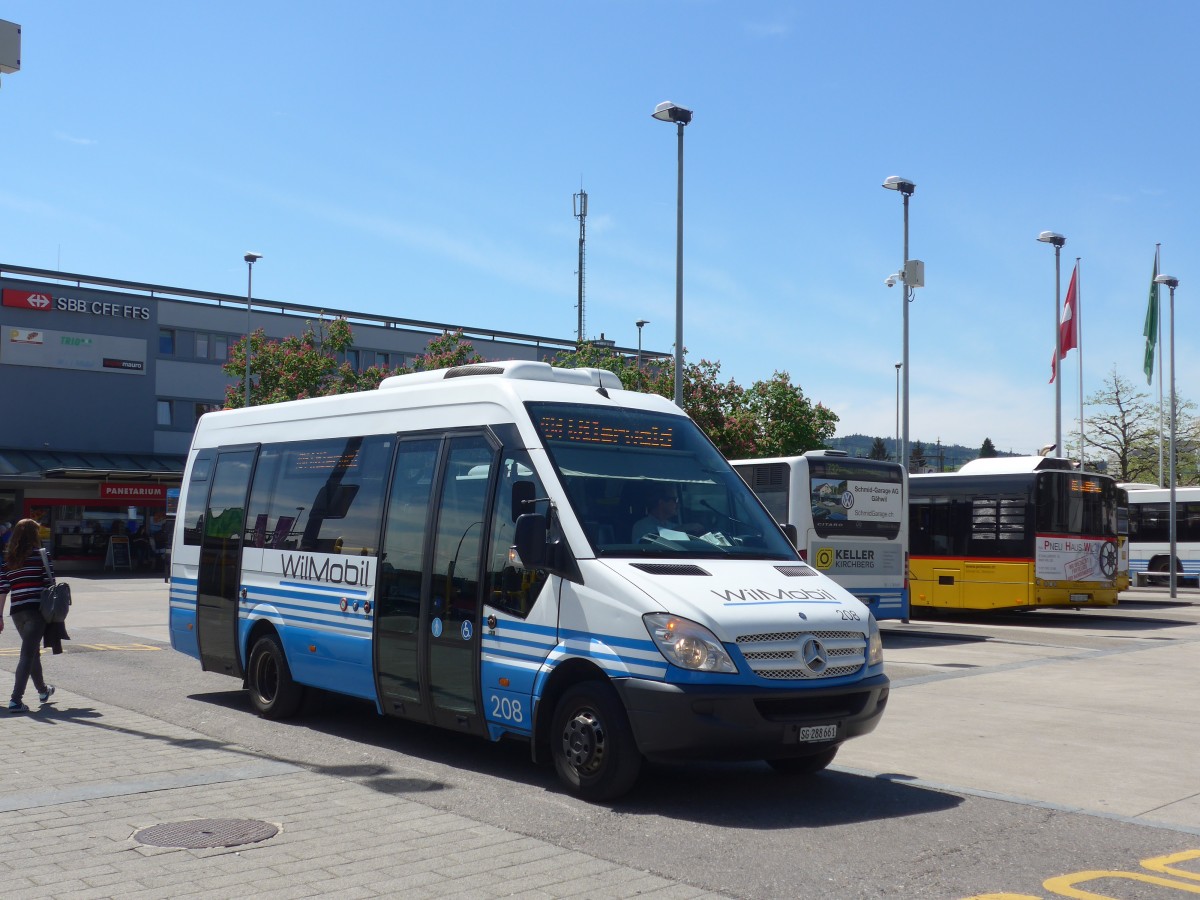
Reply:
x=419, y=160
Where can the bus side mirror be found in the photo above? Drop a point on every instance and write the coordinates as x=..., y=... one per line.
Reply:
x=530, y=538
x=792, y=535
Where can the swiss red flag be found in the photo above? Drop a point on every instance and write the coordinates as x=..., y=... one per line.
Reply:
x=1068, y=328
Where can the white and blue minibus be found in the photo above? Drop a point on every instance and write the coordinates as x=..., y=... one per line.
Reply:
x=457, y=547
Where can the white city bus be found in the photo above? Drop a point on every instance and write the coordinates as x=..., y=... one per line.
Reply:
x=851, y=519
x=457, y=548
x=1150, y=533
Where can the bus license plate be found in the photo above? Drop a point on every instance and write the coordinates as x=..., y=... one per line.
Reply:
x=1080, y=598
x=805, y=734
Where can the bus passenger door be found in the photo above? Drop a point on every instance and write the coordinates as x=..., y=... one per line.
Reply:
x=398, y=626
x=219, y=580
x=427, y=638
x=454, y=587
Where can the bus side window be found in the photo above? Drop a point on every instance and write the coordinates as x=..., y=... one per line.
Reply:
x=510, y=587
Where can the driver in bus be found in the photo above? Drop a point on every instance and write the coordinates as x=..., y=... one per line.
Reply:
x=663, y=516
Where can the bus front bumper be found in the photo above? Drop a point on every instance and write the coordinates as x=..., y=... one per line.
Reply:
x=673, y=721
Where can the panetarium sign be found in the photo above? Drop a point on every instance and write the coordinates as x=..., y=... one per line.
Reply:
x=45, y=301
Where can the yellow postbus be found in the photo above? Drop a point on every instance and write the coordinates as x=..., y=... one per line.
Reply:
x=1013, y=533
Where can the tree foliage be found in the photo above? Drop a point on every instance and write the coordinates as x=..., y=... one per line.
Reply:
x=1124, y=432
x=770, y=418
x=878, y=449
x=988, y=450
x=312, y=364
x=916, y=458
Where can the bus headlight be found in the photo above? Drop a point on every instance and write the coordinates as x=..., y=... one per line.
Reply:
x=874, y=644
x=687, y=644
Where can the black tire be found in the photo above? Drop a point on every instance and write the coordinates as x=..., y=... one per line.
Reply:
x=803, y=765
x=272, y=691
x=592, y=744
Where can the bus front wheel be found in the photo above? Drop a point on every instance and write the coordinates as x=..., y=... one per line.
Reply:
x=272, y=691
x=803, y=765
x=593, y=747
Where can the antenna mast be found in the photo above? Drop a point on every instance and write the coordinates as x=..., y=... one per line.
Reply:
x=580, y=205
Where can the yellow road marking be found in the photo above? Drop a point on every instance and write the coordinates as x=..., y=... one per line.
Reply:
x=1064, y=885
x=16, y=651
x=1163, y=864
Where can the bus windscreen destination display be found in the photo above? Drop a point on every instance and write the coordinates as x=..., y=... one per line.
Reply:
x=593, y=430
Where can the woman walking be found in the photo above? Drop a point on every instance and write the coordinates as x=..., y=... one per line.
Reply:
x=23, y=574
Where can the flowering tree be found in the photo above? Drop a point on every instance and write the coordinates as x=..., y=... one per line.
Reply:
x=307, y=365
x=770, y=418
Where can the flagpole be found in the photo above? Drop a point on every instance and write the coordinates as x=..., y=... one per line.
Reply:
x=1158, y=346
x=1079, y=346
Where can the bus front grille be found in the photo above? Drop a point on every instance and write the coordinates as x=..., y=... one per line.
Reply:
x=804, y=655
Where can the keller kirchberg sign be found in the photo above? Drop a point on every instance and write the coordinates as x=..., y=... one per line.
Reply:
x=45, y=301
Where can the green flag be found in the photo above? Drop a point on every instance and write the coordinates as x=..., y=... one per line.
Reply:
x=1151, y=328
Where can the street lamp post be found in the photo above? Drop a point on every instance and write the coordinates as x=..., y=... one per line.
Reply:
x=640, y=323
x=250, y=258
x=899, y=366
x=906, y=188
x=1050, y=237
x=669, y=112
x=1171, y=282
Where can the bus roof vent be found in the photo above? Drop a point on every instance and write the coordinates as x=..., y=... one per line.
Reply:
x=826, y=453
x=524, y=369
x=463, y=371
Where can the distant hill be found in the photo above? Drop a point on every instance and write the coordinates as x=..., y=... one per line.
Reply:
x=940, y=457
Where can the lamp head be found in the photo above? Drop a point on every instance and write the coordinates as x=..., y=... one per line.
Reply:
x=1052, y=237
x=640, y=322
x=669, y=112
x=1169, y=280
x=899, y=183
x=252, y=257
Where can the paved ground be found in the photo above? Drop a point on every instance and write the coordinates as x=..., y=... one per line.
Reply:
x=1095, y=715
x=79, y=780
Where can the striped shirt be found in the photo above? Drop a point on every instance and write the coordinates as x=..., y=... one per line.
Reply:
x=24, y=584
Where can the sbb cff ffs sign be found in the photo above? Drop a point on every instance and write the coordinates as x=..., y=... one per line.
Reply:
x=44, y=302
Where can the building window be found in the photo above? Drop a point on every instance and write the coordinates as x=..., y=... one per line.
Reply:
x=220, y=346
x=164, y=413
x=201, y=346
x=202, y=408
x=166, y=341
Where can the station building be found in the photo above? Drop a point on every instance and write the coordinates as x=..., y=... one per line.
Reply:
x=103, y=381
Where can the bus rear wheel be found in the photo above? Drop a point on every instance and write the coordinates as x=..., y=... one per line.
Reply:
x=594, y=752
x=803, y=765
x=273, y=693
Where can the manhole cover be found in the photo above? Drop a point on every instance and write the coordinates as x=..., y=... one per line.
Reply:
x=207, y=833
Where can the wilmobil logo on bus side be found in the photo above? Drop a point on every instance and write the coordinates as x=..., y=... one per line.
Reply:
x=330, y=569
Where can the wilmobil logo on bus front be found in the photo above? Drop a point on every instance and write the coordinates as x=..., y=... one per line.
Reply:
x=330, y=569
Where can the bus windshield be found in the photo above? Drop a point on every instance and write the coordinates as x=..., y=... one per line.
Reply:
x=646, y=484
x=1071, y=503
